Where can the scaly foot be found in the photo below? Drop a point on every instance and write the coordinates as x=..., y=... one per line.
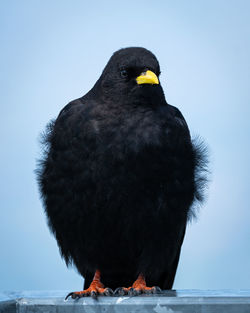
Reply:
x=96, y=288
x=138, y=287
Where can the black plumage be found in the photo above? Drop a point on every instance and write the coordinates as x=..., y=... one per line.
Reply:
x=120, y=176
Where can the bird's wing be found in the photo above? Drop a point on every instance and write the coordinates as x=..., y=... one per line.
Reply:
x=64, y=171
x=178, y=116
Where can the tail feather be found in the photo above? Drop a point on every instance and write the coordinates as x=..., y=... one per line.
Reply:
x=201, y=179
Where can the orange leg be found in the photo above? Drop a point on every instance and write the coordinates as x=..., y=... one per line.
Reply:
x=96, y=288
x=138, y=287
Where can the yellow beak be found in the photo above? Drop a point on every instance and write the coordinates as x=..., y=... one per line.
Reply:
x=147, y=77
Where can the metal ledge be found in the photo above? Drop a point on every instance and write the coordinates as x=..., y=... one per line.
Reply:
x=180, y=301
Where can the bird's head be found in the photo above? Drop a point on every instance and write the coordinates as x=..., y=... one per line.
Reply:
x=131, y=74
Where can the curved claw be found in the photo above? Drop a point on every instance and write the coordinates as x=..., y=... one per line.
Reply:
x=93, y=294
x=147, y=290
x=108, y=292
x=132, y=292
x=157, y=290
x=72, y=295
x=121, y=291
x=88, y=292
x=136, y=291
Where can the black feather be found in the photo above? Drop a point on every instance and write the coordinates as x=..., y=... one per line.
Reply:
x=119, y=176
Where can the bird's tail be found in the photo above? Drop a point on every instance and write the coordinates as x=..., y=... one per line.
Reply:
x=201, y=175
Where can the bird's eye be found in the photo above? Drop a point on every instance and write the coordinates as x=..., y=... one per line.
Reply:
x=124, y=73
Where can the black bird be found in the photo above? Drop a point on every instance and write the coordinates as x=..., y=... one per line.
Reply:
x=119, y=179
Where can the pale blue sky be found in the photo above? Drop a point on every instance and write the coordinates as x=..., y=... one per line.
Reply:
x=54, y=51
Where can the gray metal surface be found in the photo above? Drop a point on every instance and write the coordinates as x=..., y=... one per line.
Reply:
x=180, y=301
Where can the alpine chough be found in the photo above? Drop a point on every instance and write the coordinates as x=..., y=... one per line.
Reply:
x=119, y=178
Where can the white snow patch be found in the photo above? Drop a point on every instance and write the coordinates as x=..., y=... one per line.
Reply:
x=160, y=309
